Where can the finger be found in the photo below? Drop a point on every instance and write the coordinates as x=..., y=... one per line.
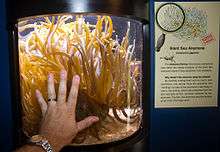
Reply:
x=51, y=106
x=41, y=101
x=72, y=99
x=51, y=87
x=62, y=87
x=85, y=123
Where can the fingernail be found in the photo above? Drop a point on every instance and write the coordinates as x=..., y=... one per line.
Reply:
x=95, y=118
x=63, y=73
x=37, y=92
x=76, y=78
x=50, y=76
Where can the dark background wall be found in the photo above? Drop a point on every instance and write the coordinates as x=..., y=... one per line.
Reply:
x=5, y=105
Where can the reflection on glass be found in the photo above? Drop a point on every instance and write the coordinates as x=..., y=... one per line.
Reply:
x=105, y=51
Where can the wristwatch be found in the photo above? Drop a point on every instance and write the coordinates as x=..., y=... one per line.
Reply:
x=41, y=141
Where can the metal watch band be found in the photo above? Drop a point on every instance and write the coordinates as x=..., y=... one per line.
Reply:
x=45, y=145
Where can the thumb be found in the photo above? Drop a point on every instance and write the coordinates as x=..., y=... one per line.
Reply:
x=85, y=123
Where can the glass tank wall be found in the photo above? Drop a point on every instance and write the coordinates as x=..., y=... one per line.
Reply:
x=105, y=51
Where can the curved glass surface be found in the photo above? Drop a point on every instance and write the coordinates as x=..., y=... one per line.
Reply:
x=105, y=51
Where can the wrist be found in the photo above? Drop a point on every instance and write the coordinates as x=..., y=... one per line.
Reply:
x=46, y=143
x=55, y=143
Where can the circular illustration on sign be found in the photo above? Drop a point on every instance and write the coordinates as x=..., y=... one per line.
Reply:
x=170, y=17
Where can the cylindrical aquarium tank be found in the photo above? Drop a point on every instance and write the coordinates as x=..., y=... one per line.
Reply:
x=103, y=43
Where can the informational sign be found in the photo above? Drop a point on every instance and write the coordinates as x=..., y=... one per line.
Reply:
x=186, y=54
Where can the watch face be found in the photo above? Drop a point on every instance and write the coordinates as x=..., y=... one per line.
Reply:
x=36, y=138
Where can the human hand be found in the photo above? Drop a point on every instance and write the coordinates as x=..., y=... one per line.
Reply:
x=59, y=124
